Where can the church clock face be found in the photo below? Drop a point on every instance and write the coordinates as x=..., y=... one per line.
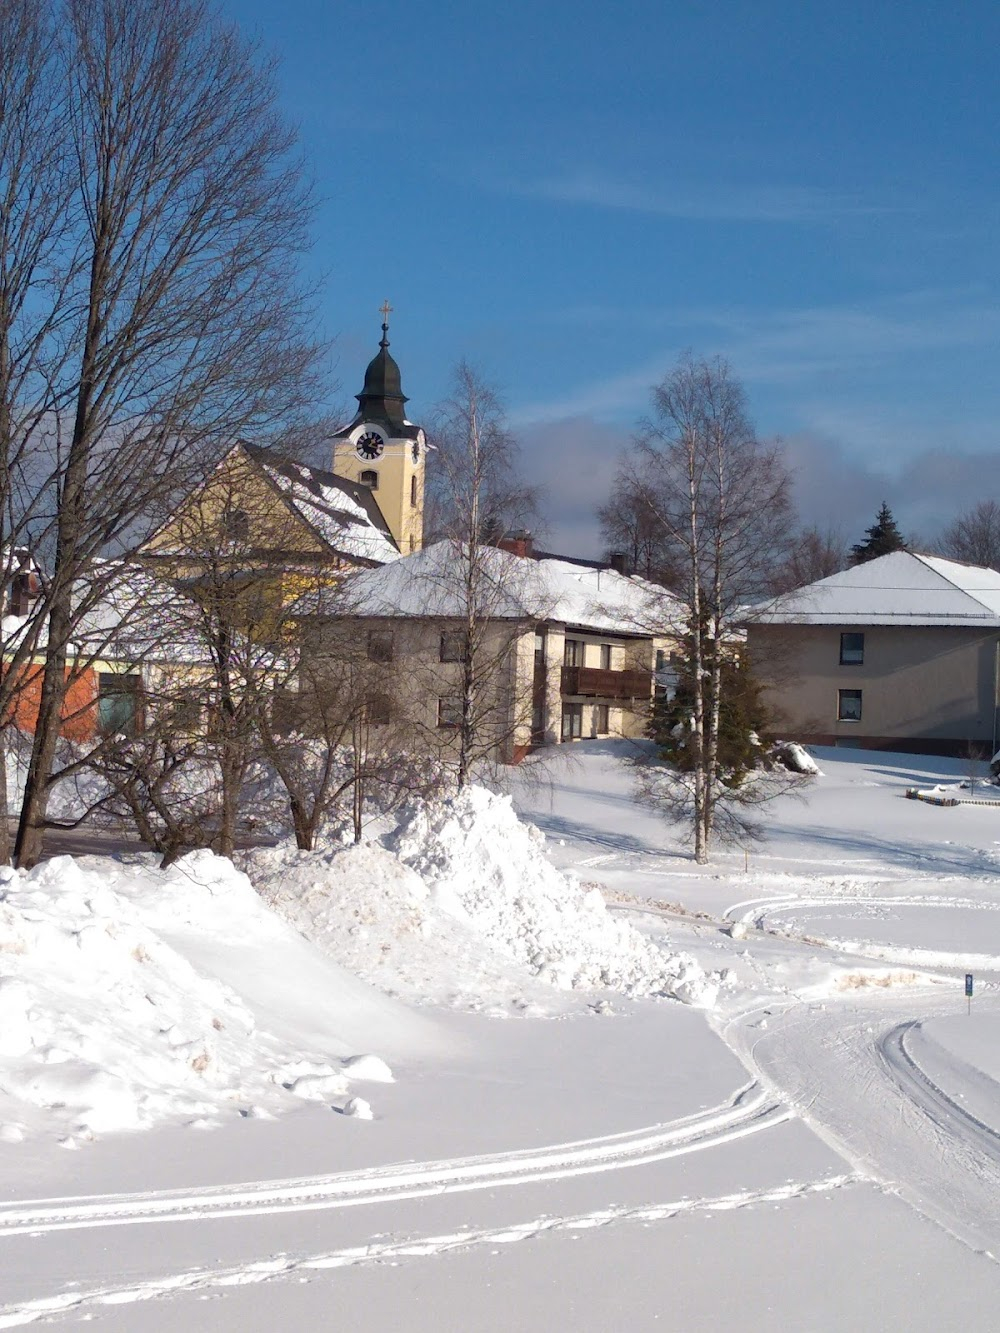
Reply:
x=370, y=446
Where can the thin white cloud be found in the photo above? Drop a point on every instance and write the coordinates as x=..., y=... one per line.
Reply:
x=787, y=349
x=707, y=202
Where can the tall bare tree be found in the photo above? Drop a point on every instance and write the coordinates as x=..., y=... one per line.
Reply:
x=180, y=320
x=974, y=536
x=35, y=272
x=723, y=500
x=480, y=501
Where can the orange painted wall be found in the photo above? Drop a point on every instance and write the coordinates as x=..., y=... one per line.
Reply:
x=79, y=712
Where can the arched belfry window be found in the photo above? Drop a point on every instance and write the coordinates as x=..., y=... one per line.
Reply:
x=369, y=478
x=413, y=492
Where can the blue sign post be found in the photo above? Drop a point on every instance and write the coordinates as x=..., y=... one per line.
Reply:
x=968, y=989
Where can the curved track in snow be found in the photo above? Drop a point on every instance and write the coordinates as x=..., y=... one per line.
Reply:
x=756, y=912
x=391, y=1251
x=951, y=1118
x=846, y=1070
x=749, y=1111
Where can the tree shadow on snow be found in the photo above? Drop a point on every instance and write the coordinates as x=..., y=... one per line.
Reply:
x=558, y=826
x=925, y=857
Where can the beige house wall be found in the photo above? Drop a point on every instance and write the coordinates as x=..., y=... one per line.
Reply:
x=930, y=684
x=417, y=680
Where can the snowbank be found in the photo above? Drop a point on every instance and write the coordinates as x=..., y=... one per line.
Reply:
x=461, y=906
x=489, y=870
x=796, y=758
x=113, y=1016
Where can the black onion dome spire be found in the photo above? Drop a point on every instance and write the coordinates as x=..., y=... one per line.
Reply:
x=382, y=398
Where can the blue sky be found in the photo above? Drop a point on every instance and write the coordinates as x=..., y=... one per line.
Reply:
x=570, y=195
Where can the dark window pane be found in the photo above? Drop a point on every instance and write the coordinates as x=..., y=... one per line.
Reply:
x=848, y=705
x=852, y=649
x=380, y=647
x=450, y=711
x=118, y=703
x=452, y=643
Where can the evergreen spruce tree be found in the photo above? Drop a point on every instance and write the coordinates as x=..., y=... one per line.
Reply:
x=743, y=721
x=882, y=538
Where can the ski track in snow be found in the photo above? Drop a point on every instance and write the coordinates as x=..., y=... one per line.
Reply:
x=848, y=1074
x=749, y=1111
x=283, y=1266
x=756, y=912
x=955, y=1121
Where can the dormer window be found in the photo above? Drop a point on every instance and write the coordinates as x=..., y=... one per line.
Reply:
x=369, y=478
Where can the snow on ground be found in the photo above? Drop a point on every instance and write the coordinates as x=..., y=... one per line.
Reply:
x=461, y=905
x=771, y=1161
x=131, y=995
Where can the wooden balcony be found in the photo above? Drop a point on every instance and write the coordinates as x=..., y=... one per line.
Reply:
x=597, y=683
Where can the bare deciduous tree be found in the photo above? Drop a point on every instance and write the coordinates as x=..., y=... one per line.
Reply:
x=35, y=185
x=177, y=319
x=481, y=502
x=813, y=554
x=723, y=500
x=974, y=536
x=631, y=527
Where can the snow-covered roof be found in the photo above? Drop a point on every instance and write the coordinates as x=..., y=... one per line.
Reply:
x=428, y=584
x=898, y=589
x=344, y=514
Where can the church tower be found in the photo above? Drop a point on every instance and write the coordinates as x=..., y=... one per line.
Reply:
x=384, y=451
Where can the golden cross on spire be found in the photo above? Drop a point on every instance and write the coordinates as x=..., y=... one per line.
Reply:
x=385, y=310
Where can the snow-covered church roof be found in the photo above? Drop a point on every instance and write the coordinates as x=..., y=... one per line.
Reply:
x=902, y=588
x=343, y=513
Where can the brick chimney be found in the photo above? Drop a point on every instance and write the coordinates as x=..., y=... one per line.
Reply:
x=518, y=543
x=618, y=561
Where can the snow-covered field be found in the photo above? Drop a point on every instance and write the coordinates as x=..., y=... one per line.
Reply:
x=466, y=1077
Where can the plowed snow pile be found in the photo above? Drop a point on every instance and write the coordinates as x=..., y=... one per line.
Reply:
x=488, y=868
x=130, y=995
x=468, y=899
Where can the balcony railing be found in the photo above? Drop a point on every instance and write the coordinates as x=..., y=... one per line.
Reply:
x=598, y=683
